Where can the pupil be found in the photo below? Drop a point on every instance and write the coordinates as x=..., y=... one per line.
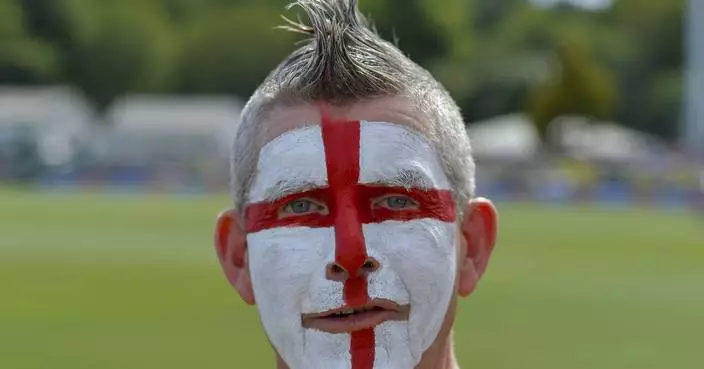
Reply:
x=300, y=207
x=398, y=202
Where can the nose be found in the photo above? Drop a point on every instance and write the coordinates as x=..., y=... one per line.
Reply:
x=336, y=272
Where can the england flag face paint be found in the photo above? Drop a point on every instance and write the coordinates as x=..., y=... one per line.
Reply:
x=352, y=245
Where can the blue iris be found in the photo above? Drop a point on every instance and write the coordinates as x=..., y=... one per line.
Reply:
x=300, y=206
x=397, y=202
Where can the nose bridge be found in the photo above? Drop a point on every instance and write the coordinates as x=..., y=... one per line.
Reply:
x=350, y=248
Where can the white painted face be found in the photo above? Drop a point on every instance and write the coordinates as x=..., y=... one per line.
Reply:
x=288, y=255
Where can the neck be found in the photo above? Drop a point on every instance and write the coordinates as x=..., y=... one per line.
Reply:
x=441, y=355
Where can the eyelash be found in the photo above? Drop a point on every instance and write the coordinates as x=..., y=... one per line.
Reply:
x=315, y=206
x=411, y=202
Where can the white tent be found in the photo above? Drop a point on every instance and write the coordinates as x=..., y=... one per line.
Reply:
x=507, y=137
x=58, y=116
x=142, y=128
x=604, y=141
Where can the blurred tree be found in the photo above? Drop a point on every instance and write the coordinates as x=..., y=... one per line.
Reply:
x=49, y=22
x=231, y=50
x=579, y=86
x=454, y=22
x=409, y=25
x=23, y=59
x=119, y=47
x=46, y=20
x=490, y=13
x=510, y=55
x=650, y=72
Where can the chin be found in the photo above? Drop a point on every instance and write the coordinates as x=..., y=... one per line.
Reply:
x=392, y=349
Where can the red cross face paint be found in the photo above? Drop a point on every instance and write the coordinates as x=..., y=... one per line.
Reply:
x=351, y=243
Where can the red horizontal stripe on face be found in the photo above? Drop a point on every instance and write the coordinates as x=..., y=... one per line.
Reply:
x=432, y=204
x=265, y=215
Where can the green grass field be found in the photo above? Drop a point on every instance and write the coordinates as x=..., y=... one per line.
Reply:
x=131, y=282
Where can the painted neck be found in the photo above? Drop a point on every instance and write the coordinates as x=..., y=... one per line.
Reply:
x=440, y=355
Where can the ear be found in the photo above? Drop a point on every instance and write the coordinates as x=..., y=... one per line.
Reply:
x=231, y=247
x=478, y=228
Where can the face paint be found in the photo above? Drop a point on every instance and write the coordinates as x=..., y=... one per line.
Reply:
x=363, y=174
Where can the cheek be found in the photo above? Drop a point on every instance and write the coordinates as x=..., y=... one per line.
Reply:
x=422, y=253
x=284, y=262
x=419, y=263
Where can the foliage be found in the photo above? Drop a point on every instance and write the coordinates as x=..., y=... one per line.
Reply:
x=578, y=87
x=495, y=57
x=228, y=50
x=23, y=59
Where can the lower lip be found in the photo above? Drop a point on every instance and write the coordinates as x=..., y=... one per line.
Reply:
x=352, y=323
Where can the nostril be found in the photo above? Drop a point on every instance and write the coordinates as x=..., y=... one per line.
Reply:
x=371, y=265
x=336, y=272
x=336, y=268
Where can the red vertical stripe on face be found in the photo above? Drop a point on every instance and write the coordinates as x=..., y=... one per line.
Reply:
x=341, y=142
x=362, y=349
x=432, y=204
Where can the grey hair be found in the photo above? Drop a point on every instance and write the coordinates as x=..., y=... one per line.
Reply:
x=343, y=61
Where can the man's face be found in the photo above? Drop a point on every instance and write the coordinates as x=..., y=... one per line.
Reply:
x=352, y=241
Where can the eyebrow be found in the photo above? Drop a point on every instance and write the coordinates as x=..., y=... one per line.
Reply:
x=285, y=187
x=406, y=178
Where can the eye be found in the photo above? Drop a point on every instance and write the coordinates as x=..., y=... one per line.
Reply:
x=302, y=207
x=396, y=202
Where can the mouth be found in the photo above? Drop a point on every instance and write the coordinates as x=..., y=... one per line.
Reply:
x=348, y=319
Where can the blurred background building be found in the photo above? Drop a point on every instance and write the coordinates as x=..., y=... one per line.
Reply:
x=41, y=128
x=174, y=142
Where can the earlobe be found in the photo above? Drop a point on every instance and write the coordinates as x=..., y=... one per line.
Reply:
x=231, y=248
x=479, y=229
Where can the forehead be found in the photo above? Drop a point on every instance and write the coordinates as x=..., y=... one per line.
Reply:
x=283, y=118
x=387, y=154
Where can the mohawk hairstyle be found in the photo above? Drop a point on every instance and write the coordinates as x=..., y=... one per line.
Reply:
x=344, y=60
